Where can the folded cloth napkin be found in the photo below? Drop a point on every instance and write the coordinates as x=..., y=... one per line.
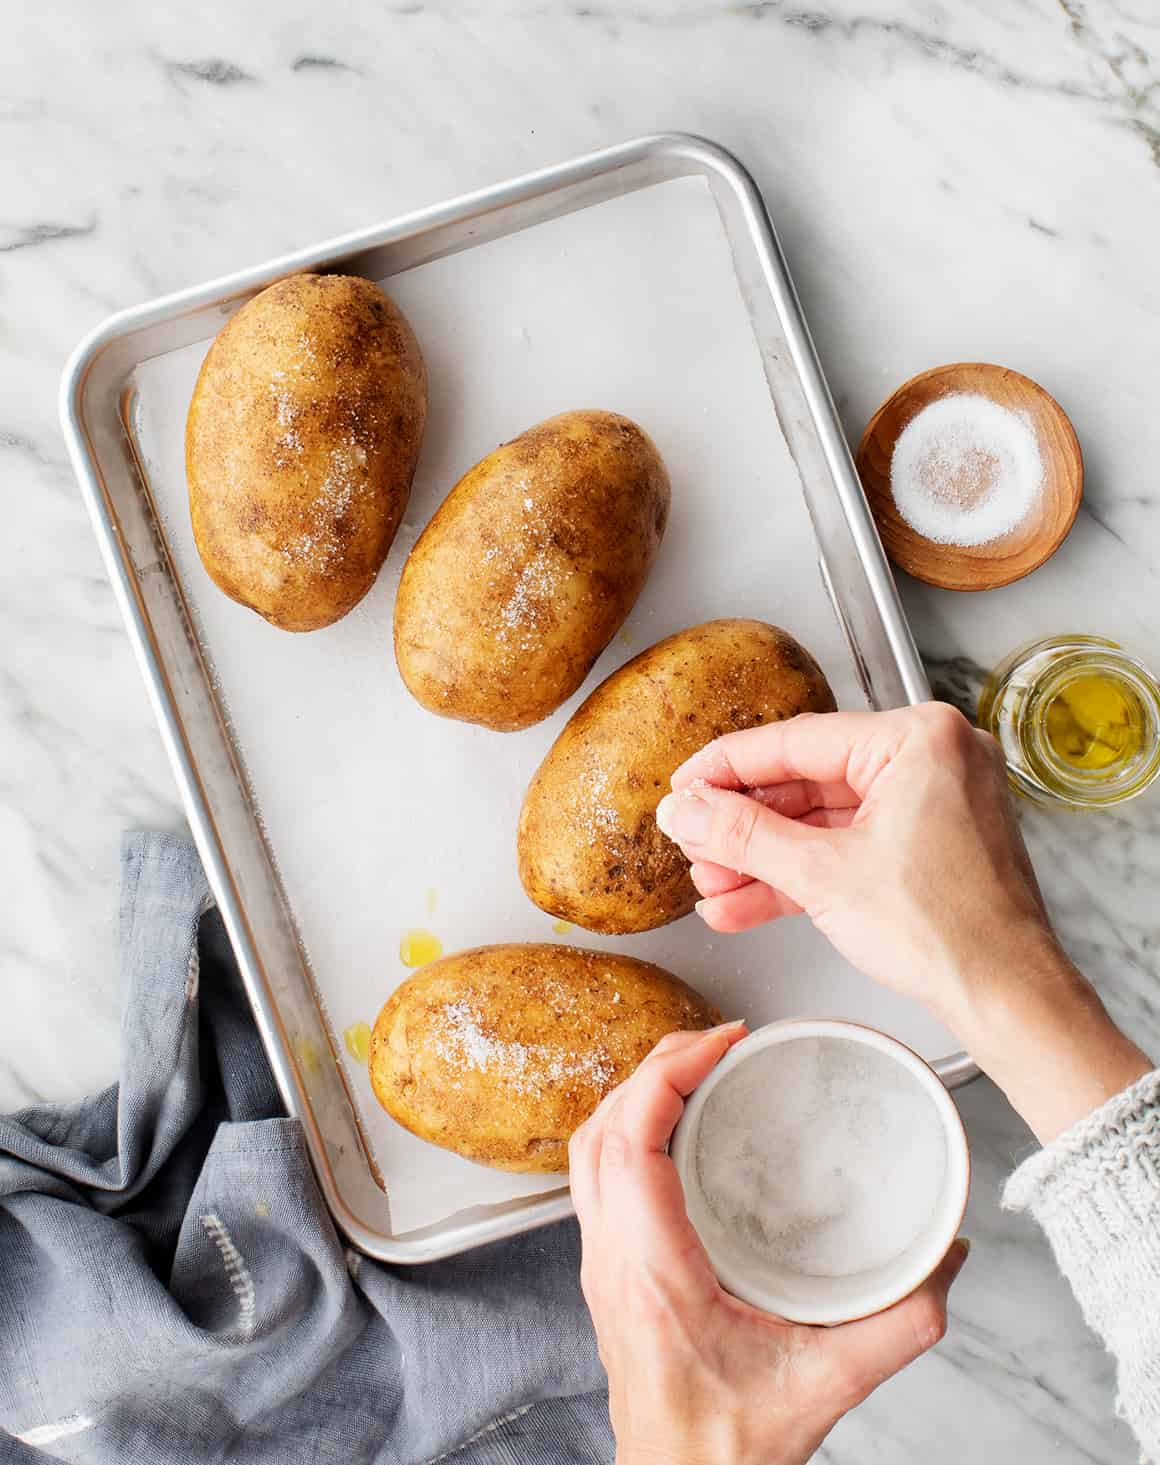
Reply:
x=172, y=1288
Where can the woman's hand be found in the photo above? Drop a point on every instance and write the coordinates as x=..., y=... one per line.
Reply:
x=694, y=1375
x=895, y=833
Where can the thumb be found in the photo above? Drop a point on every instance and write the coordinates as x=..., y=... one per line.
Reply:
x=866, y=1353
x=731, y=829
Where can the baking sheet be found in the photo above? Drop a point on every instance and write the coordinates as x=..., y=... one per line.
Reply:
x=383, y=818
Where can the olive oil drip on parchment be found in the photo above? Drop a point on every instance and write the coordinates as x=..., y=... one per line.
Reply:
x=357, y=1038
x=416, y=948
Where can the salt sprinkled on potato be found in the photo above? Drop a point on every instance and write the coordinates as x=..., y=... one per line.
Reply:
x=301, y=444
x=500, y=1053
x=589, y=848
x=529, y=568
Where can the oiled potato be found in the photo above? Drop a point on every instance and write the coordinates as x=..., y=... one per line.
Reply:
x=589, y=847
x=529, y=568
x=501, y=1052
x=300, y=446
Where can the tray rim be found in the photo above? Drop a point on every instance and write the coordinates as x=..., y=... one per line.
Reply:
x=708, y=158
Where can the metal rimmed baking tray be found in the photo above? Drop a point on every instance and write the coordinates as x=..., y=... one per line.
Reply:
x=330, y=812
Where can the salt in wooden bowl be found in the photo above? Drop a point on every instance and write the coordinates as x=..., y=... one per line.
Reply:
x=1035, y=538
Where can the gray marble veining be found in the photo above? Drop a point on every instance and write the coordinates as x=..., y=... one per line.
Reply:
x=950, y=181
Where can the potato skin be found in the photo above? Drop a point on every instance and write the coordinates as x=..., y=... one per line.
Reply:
x=501, y=1052
x=300, y=446
x=529, y=568
x=588, y=844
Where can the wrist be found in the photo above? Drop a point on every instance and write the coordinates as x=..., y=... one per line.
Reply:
x=659, y=1454
x=666, y=1447
x=715, y=1439
x=1036, y=1026
x=995, y=988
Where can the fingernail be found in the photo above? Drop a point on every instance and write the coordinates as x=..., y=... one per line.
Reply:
x=963, y=1247
x=684, y=817
x=703, y=758
x=724, y=1027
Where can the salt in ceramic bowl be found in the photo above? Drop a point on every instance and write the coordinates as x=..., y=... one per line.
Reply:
x=872, y=1247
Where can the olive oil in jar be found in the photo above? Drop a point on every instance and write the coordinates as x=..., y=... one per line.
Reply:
x=1094, y=721
x=1078, y=719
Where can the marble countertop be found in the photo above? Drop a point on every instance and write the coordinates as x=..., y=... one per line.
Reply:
x=950, y=181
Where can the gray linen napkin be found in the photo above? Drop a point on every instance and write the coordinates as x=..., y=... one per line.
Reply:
x=172, y=1288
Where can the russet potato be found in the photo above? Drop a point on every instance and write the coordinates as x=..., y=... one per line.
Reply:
x=301, y=443
x=501, y=1052
x=588, y=845
x=529, y=568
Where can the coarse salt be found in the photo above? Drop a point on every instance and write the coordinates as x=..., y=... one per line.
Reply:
x=462, y=1041
x=821, y=1157
x=318, y=542
x=966, y=471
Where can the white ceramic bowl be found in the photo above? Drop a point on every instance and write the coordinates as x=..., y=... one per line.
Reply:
x=754, y=1272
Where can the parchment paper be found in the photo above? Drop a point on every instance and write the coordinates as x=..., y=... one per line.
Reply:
x=383, y=817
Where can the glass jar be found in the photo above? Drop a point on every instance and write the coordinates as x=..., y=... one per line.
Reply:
x=1078, y=720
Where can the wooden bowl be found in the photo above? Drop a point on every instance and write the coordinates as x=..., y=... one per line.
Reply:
x=1031, y=542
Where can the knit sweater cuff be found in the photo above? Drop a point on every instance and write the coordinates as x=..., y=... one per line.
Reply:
x=1098, y=1153
x=1096, y=1192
